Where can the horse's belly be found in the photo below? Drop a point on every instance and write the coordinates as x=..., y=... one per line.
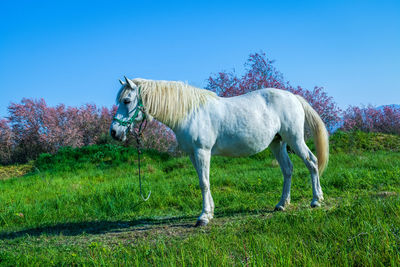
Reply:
x=242, y=152
x=237, y=146
x=245, y=133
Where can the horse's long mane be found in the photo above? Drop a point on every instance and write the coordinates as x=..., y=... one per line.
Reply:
x=168, y=101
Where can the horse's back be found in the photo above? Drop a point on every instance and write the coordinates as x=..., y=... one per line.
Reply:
x=268, y=103
x=241, y=125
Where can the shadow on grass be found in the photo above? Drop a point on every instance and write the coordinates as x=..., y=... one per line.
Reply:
x=102, y=227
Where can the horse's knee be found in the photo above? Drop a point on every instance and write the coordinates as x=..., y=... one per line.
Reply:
x=287, y=171
x=312, y=157
x=311, y=162
x=204, y=187
x=290, y=166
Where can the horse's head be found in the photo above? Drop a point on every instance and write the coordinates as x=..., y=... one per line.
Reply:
x=130, y=110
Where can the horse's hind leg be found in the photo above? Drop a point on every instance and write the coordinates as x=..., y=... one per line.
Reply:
x=301, y=149
x=279, y=150
x=201, y=161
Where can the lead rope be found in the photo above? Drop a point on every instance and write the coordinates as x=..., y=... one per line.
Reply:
x=138, y=136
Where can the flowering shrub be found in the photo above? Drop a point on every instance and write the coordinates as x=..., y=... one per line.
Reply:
x=159, y=137
x=37, y=128
x=372, y=119
x=6, y=142
x=260, y=73
x=34, y=128
x=322, y=103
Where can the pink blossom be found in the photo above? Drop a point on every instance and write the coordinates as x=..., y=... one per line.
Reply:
x=33, y=128
x=260, y=73
x=6, y=142
x=372, y=119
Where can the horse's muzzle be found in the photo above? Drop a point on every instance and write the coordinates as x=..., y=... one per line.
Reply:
x=113, y=133
x=117, y=135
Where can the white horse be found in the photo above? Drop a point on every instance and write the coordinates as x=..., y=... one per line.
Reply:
x=205, y=125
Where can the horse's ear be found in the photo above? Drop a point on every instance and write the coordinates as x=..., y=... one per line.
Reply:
x=130, y=83
x=121, y=82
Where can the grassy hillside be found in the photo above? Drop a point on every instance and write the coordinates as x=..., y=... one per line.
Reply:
x=82, y=206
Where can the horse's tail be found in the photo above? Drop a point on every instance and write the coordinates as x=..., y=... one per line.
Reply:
x=319, y=132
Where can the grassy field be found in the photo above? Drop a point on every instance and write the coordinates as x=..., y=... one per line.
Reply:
x=82, y=206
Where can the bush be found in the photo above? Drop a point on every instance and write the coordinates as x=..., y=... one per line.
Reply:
x=34, y=128
x=37, y=128
x=6, y=142
x=159, y=137
x=372, y=119
x=103, y=156
x=354, y=141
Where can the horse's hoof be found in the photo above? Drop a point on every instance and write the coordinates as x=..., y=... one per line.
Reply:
x=201, y=223
x=315, y=204
x=279, y=208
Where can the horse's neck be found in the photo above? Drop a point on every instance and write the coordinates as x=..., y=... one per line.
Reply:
x=150, y=117
x=176, y=115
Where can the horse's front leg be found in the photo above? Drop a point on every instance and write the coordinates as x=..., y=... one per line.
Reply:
x=201, y=161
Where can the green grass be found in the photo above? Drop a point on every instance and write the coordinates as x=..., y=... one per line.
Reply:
x=82, y=206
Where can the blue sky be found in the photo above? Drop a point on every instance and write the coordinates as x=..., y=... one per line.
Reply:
x=74, y=52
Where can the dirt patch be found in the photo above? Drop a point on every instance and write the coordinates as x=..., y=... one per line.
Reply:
x=130, y=235
x=133, y=235
x=7, y=172
x=385, y=194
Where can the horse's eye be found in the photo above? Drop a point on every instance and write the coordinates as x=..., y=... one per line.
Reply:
x=127, y=101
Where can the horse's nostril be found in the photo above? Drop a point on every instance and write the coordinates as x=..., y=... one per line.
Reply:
x=113, y=132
